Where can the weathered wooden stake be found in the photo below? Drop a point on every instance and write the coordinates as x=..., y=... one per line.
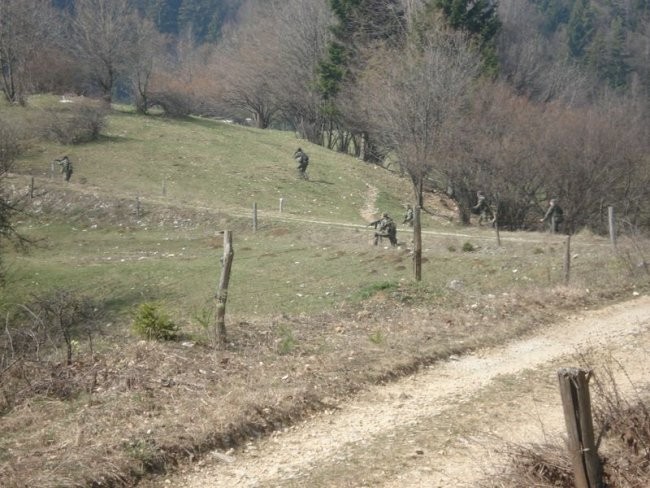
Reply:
x=281, y=205
x=417, y=244
x=255, y=217
x=137, y=206
x=574, y=389
x=496, y=222
x=31, y=188
x=612, y=225
x=567, y=260
x=164, y=188
x=222, y=291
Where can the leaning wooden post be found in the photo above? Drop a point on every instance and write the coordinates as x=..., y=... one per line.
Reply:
x=567, y=260
x=612, y=225
x=417, y=244
x=222, y=291
x=281, y=205
x=137, y=206
x=255, y=217
x=574, y=389
x=31, y=188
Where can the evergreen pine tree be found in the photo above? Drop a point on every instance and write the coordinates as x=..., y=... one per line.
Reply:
x=616, y=67
x=480, y=19
x=580, y=28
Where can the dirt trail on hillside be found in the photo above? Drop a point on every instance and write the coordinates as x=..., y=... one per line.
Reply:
x=442, y=427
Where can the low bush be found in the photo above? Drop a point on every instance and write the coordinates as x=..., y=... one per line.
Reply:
x=81, y=121
x=10, y=145
x=152, y=323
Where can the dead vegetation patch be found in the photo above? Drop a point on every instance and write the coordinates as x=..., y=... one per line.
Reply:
x=145, y=406
x=622, y=428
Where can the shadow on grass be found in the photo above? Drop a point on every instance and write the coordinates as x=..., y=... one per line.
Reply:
x=112, y=138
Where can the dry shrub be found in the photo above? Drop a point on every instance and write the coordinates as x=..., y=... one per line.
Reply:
x=32, y=337
x=623, y=426
x=626, y=427
x=175, y=96
x=10, y=145
x=539, y=465
x=173, y=103
x=81, y=121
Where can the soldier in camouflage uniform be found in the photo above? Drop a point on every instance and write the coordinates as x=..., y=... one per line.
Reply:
x=554, y=214
x=303, y=160
x=66, y=167
x=385, y=228
x=408, y=217
x=482, y=209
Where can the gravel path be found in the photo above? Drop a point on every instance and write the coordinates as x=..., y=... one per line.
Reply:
x=443, y=426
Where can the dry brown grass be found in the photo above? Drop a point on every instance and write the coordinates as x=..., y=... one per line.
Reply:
x=623, y=429
x=156, y=404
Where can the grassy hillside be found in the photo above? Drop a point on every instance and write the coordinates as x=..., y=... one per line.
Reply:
x=315, y=311
x=222, y=167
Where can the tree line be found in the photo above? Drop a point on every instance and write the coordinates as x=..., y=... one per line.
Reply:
x=525, y=100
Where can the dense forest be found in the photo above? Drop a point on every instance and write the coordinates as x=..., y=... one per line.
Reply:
x=525, y=99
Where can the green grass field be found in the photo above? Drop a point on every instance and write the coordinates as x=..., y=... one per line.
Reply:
x=307, y=286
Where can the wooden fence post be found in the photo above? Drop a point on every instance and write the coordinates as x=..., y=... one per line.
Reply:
x=417, y=244
x=31, y=188
x=574, y=389
x=495, y=222
x=255, y=217
x=281, y=205
x=164, y=188
x=137, y=206
x=222, y=291
x=612, y=225
x=567, y=260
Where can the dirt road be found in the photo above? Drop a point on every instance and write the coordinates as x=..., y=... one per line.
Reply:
x=444, y=426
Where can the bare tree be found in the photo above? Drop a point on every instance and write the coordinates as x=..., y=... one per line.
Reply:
x=529, y=61
x=148, y=52
x=303, y=30
x=498, y=152
x=416, y=99
x=249, y=63
x=25, y=27
x=596, y=157
x=104, y=40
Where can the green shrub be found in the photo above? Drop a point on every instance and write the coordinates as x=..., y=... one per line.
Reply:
x=374, y=288
x=154, y=324
x=468, y=247
x=377, y=337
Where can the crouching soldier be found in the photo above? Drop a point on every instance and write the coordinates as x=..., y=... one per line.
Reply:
x=385, y=228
